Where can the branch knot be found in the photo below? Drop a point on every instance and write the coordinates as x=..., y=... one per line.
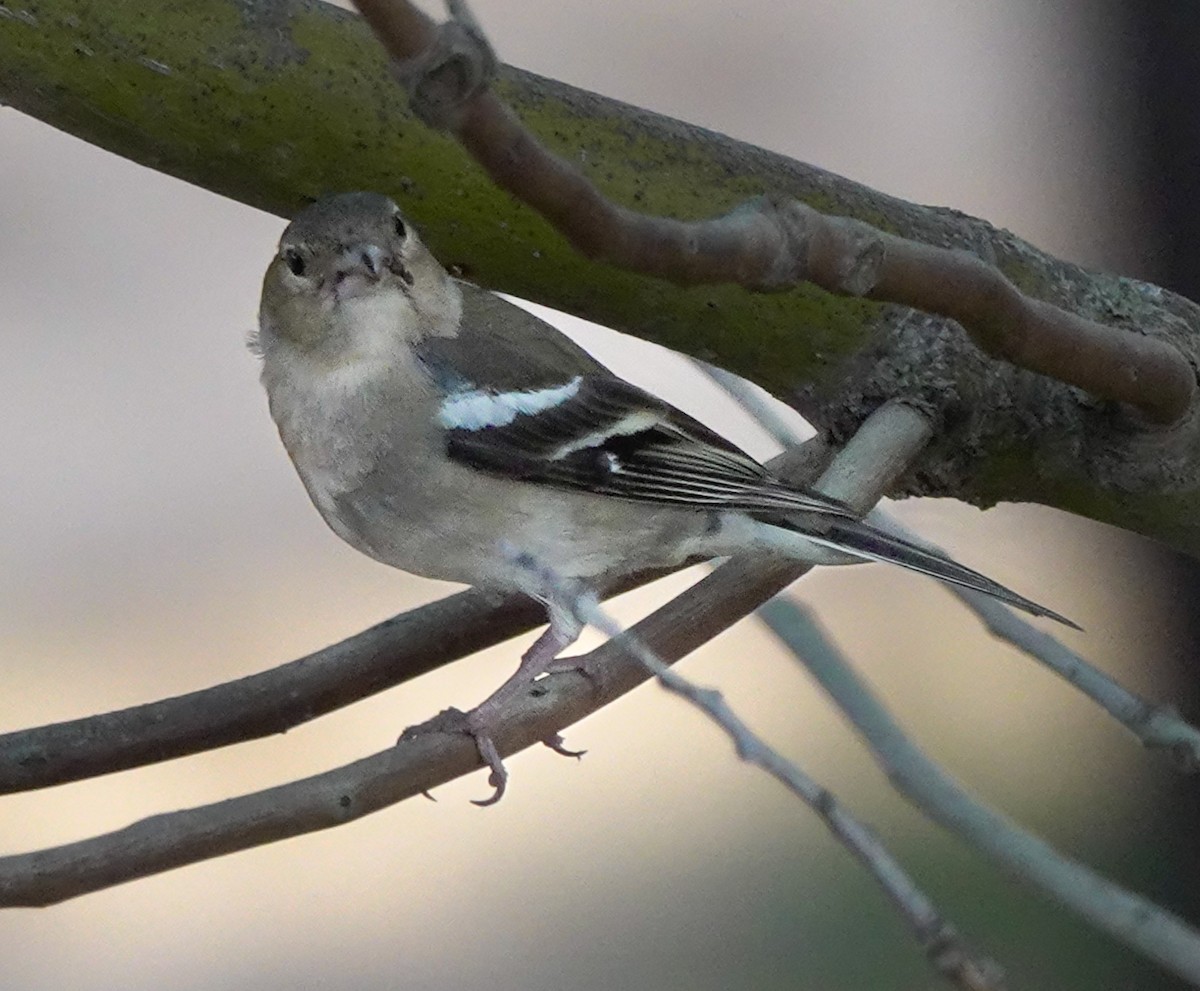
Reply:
x=458, y=65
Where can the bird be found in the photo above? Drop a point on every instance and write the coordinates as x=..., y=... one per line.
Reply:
x=438, y=428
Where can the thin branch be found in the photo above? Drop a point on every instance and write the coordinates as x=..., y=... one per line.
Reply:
x=273, y=701
x=939, y=940
x=383, y=656
x=857, y=476
x=1158, y=727
x=1157, y=933
x=767, y=243
x=756, y=401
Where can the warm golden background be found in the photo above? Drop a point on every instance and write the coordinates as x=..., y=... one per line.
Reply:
x=154, y=540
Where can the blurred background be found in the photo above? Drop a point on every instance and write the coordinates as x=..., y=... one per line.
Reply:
x=154, y=540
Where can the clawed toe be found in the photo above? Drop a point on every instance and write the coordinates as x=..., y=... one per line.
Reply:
x=457, y=721
x=467, y=723
x=556, y=744
x=498, y=779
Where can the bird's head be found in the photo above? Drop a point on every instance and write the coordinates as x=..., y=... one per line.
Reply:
x=350, y=273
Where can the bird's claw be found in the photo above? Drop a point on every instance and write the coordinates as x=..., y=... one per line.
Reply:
x=557, y=744
x=498, y=779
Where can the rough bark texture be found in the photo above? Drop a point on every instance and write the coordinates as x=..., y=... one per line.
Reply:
x=275, y=102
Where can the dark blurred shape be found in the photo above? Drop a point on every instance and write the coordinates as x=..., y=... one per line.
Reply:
x=1160, y=68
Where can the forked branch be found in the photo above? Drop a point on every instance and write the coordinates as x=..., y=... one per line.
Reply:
x=940, y=941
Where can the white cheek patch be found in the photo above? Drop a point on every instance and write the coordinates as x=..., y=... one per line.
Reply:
x=478, y=410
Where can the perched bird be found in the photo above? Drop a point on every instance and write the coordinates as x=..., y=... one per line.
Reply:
x=437, y=427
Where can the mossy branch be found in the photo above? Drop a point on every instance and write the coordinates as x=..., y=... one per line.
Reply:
x=275, y=103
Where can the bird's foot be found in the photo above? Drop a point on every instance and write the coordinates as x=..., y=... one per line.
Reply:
x=480, y=726
x=480, y=730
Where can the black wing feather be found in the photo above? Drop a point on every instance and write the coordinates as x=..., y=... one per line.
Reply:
x=615, y=439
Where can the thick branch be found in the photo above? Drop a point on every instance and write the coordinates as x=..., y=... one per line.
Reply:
x=859, y=476
x=278, y=101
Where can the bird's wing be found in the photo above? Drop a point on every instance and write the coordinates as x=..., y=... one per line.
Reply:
x=553, y=415
x=505, y=346
x=600, y=434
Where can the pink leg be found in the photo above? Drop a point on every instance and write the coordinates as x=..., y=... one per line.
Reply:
x=481, y=722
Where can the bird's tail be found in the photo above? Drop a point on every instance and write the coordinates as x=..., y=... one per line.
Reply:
x=863, y=540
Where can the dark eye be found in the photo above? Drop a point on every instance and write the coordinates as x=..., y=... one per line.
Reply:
x=294, y=261
x=401, y=230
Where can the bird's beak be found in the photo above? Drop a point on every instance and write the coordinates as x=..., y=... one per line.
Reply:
x=365, y=260
x=358, y=270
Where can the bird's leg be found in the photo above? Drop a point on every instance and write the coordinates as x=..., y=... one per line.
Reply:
x=563, y=631
x=481, y=722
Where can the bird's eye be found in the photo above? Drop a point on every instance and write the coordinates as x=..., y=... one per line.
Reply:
x=401, y=230
x=294, y=261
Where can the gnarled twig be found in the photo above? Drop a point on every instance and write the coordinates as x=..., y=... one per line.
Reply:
x=768, y=243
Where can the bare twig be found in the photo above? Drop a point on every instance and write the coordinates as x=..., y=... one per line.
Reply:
x=756, y=401
x=939, y=940
x=1152, y=930
x=273, y=701
x=768, y=243
x=1158, y=727
x=418, y=764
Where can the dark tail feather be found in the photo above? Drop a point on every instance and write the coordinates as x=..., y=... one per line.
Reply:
x=865, y=541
